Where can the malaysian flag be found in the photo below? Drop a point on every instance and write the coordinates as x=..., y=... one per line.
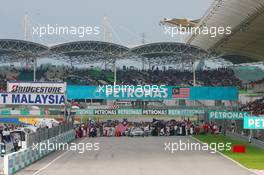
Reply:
x=179, y=92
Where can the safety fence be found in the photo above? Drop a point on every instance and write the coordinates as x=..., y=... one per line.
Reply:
x=16, y=161
x=47, y=133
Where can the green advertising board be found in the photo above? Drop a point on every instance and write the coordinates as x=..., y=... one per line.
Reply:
x=5, y=111
x=171, y=112
x=186, y=112
x=129, y=112
x=84, y=112
x=227, y=115
x=253, y=122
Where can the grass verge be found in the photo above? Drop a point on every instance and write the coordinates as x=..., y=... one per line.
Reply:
x=253, y=158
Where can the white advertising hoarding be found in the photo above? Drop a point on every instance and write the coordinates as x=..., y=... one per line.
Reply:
x=31, y=99
x=36, y=88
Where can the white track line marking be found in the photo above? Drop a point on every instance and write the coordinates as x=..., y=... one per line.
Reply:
x=54, y=160
x=225, y=156
x=47, y=165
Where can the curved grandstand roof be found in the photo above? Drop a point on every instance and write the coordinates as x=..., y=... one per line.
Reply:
x=237, y=59
x=83, y=52
x=246, y=17
x=88, y=51
x=168, y=52
x=12, y=50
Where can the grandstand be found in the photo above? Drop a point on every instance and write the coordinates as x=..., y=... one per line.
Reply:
x=246, y=38
x=95, y=76
x=164, y=63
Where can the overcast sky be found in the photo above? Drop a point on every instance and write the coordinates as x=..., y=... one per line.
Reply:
x=129, y=18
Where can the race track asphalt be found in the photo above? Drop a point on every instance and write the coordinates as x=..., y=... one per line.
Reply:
x=134, y=156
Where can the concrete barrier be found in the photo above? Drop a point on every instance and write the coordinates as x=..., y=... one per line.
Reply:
x=16, y=161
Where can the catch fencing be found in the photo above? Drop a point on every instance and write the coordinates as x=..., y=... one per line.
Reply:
x=47, y=133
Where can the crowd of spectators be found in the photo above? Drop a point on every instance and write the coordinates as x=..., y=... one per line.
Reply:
x=216, y=77
x=257, y=107
x=156, y=127
x=3, y=81
x=93, y=76
x=254, y=83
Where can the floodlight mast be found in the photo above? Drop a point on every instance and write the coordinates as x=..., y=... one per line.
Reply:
x=28, y=37
x=27, y=28
x=35, y=68
x=107, y=37
x=114, y=66
x=194, y=74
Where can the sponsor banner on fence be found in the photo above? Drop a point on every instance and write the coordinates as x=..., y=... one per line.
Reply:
x=31, y=99
x=22, y=112
x=227, y=115
x=172, y=112
x=84, y=111
x=186, y=112
x=108, y=111
x=155, y=111
x=129, y=111
x=105, y=112
x=6, y=111
x=36, y=87
x=253, y=122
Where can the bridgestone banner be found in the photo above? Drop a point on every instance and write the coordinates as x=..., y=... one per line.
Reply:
x=36, y=88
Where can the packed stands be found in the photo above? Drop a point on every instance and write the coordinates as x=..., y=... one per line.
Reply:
x=2, y=83
x=257, y=107
x=93, y=76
